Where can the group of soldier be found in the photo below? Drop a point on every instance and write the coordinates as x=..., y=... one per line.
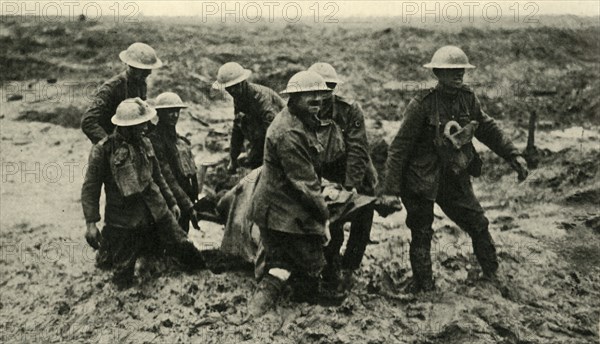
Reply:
x=150, y=182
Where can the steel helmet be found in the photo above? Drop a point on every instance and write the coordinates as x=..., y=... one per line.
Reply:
x=305, y=81
x=133, y=111
x=230, y=74
x=326, y=71
x=448, y=57
x=168, y=100
x=140, y=55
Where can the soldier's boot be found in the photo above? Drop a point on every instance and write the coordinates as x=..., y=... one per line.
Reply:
x=305, y=288
x=420, y=261
x=332, y=290
x=190, y=256
x=332, y=275
x=310, y=289
x=265, y=296
x=485, y=251
x=123, y=276
x=103, y=260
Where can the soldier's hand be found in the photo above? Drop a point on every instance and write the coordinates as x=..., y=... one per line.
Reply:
x=388, y=204
x=194, y=219
x=92, y=235
x=520, y=165
x=327, y=234
x=176, y=211
x=232, y=166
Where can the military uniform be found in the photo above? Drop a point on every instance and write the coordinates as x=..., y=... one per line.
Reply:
x=347, y=162
x=178, y=168
x=138, y=199
x=95, y=122
x=254, y=111
x=287, y=204
x=419, y=172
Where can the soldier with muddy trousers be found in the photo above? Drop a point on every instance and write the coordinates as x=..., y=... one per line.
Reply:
x=140, y=209
x=255, y=106
x=346, y=161
x=288, y=206
x=174, y=154
x=432, y=158
x=141, y=59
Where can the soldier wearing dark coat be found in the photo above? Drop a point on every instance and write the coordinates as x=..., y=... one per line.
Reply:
x=255, y=106
x=347, y=162
x=429, y=163
x=141, y=59
x=287, y=205
x=175, y=157
x=140, y=212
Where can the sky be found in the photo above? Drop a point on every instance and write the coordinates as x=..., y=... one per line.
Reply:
x=320, y=10
x=372, y=8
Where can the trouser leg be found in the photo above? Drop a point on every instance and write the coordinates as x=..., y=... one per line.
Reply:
x=476, y=225
x=103, y=256
x=419, y=219
x=360, y=231
x=332, y=253
x=460, y=204
x=174, y=240
x=301, y=255
x=124, y=249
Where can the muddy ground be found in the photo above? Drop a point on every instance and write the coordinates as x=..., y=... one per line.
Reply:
x=547, y=231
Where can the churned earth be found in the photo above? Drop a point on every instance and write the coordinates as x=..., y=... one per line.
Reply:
x=547, y=229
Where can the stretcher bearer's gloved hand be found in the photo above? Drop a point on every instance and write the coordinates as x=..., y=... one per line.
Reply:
x=194, y=219
x=176, y=211
x=92, y=235
x=519, y=164
x=327, y=234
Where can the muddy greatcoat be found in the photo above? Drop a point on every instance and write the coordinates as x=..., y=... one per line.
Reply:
x=136, y=192
x=178, y=168
x=287, y=204
x=347, y=162
x=138, y=199
x=95, y=122
x=419, y=173
x=254, y=111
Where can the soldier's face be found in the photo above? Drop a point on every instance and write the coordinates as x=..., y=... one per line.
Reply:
x=168, y=116
x=311, y=102
x=234, y=90
x=139, y=74
x=134, y=132
x=450, y=77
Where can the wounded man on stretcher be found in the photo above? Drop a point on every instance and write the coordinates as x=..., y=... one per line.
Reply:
x=241, y=238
